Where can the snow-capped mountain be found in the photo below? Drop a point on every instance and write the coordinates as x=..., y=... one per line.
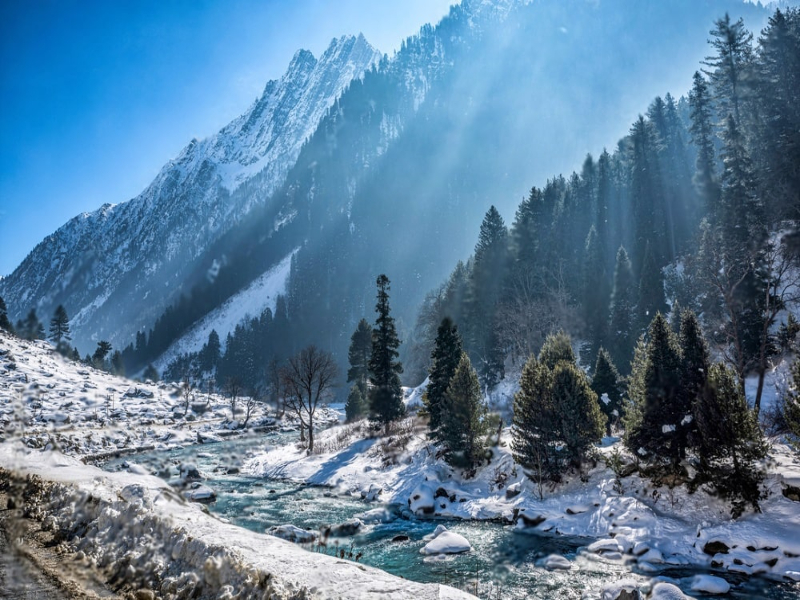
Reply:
x=116, y=269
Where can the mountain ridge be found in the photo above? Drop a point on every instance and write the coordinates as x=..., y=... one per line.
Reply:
x=124, y=252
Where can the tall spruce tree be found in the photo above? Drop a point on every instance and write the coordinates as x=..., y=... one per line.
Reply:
x=580, y=420
x=729, y=440
x=652, y=426
x=621, y=324
x=358, y=373
x=463, y=427
x=445, y=358
x=606, y=384
x=386, y=395
x=59, y=329
x=695, y=364
x=488, y=276
x=359, y=354
x=702, y=132
x=596, y=293
x=651, y=289
x=5, y=323
x=726, y=68
x=31, y=328
x=534, y=425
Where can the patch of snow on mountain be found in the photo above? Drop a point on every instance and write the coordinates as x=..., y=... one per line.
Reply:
x=250, y=302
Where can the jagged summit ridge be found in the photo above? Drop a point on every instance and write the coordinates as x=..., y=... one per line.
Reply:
x=103, y=264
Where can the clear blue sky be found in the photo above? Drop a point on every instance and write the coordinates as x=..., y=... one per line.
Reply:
x=96, y=95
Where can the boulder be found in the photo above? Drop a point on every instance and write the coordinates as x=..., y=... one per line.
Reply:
x=715, y=547
x=513, y=490
x=292, y=533
x=345, y=529
x=200, y=493
x=624, y=589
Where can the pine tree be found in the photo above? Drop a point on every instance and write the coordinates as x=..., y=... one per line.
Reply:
x=580, y=421
x=386, y=396
x=777, y=141
x=211, y=353
x=557, y=348
x=98, y=359
x=621, y=332
x=695, y=363
x=359, y=355
x=702, y=131
x=356, y=405
x=59, y=327
x=31, y=328
x=596, y=292
x=606, y=384
x=445, y=359
x=5, y=323
x=651, y=289
x=732, y=43
x=652, y=425
x=534, y=424
x=150, y=373
x=488, y=275
x=729, y=440
x=463, y=426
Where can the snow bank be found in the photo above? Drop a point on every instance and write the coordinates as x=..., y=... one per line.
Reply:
x=136, y=530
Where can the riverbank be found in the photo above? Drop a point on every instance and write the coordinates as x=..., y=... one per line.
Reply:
x=628, y=519
x=136, y=532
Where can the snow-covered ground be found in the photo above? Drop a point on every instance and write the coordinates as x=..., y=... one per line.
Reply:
x=49, y=402
x=630, y=520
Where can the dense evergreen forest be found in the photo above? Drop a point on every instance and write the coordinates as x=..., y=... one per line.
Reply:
x=696, y=208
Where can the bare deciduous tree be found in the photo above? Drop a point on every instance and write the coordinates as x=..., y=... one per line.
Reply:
x=307, y=380
x=782, y=292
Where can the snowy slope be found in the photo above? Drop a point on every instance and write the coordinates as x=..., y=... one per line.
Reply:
x=117, y=268
x=250, y=302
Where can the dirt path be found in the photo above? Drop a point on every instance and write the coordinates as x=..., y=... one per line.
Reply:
x=32, y=567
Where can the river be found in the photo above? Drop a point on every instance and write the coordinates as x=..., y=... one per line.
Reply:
x=502, y=564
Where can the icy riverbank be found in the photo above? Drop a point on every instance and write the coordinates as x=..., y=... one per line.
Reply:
x=631, y=521
x=136, y=531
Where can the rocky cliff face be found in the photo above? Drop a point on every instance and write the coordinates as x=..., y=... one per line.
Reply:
x=116, y=269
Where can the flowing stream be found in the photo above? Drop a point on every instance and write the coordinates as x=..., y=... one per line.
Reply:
x=502, y=564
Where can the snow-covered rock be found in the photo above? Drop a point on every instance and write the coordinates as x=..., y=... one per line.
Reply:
x=197, y=492
x=667, y=591
x=623, y=589
x=293, y=533
x=447, y=542
x=556, y=562
x=709, y=584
